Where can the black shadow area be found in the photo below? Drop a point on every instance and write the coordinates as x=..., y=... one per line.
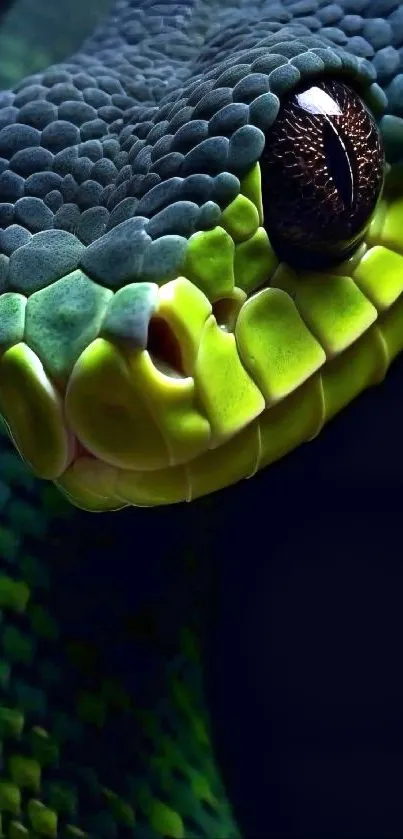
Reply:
x=304, y=672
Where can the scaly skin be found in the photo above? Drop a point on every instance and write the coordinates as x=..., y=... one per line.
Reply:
x=81, y=755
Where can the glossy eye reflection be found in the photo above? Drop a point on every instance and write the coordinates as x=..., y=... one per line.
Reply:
x=322, y=174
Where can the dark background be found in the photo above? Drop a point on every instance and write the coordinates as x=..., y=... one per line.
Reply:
x=36, y=33
x=305, y=667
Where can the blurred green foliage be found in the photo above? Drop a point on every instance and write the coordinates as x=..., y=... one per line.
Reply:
x=36, y=33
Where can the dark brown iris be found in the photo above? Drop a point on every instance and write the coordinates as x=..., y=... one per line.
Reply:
x=322, y=174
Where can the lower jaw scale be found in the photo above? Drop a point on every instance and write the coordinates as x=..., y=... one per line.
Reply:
x=257, y=380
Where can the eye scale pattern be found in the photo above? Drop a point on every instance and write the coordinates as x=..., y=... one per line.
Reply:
x=131, y=194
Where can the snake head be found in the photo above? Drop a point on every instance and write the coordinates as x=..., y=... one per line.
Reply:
x=191, y=293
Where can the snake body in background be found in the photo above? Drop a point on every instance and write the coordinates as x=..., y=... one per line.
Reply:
x=131, y=218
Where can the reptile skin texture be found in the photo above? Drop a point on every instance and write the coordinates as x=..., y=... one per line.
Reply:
x=133, y=144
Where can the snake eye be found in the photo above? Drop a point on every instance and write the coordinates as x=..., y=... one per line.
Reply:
x=322, y=174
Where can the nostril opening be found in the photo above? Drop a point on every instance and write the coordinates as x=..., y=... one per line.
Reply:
x=164, y=348
x=226, y=312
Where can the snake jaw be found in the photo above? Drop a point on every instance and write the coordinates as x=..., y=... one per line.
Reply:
x=162, y=392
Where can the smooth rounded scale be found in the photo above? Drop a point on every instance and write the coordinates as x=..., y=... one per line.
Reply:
x=379, y=275
x=333, y=307
x=104, y=410
x=227, y=392
x=33, y=411
x=185, y=309
x=255, y=262
x=219, y=468
x=392, y=225
x=210, y=262
x=275, y=345
x=173, y=402
x=151, y=489
x=90, y=485
x=322, y=174
x=363, y=364
x=293, y=421
x=131, y=414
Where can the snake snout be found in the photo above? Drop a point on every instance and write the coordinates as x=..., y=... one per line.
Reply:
x=155, y=342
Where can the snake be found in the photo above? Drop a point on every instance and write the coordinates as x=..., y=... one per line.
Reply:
x=201, y=264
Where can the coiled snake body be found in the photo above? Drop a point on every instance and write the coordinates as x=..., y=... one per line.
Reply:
x=166, y=329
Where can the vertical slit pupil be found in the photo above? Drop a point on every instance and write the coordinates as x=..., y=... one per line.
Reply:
x=322, y=174
x=338, y=163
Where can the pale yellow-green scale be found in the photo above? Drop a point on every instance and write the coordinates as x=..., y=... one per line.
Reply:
x=252, y=335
